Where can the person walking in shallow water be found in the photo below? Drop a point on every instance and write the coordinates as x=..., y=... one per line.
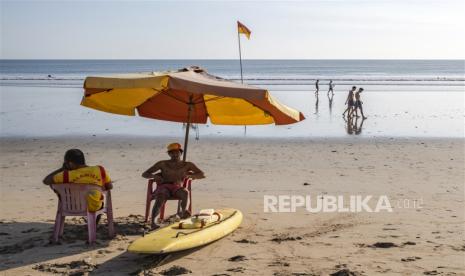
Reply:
x=331, y=86
x=317, y=87
x=350, y=102
x=359, y=103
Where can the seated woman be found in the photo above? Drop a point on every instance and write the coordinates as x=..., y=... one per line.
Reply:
x=169, y=175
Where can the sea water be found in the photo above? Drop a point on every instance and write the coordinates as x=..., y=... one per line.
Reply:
x=402, y=98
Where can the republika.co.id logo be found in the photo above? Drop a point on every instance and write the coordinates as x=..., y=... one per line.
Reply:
x=331, y=203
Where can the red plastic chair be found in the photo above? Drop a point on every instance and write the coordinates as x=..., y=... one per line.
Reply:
x=150, y=190
x=72, y=201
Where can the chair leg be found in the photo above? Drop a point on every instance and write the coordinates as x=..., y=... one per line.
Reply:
x=111, y=227
x=190, y=202
x=147, y=207
x=91, y=227
x=148, y=199
x=56, y=227
x=62, y=225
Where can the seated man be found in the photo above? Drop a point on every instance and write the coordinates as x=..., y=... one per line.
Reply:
x=75, y=170
x=170, y=179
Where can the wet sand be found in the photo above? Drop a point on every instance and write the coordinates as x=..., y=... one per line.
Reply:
x=240, y=171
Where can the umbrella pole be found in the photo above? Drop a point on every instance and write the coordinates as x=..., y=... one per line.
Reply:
x=188, y=126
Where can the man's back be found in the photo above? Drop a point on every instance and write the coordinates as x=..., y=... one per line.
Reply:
x=86, y=175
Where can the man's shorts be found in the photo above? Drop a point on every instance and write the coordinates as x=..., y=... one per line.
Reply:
x=167, y=188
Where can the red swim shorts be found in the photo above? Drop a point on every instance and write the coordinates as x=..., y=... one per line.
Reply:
x=170, y=188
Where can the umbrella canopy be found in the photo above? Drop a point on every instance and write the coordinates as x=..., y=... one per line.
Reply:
x=189, y=95
x=167, y=96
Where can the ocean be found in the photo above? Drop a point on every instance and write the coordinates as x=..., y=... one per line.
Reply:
x=261, y=72
x=402, y=98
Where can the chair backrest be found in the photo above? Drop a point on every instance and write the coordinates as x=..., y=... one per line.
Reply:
x=73, y=196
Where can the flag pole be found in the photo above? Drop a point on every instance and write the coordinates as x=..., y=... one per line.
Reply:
x=240, y=62
x=240, y=54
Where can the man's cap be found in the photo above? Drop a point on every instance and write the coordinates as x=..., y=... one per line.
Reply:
x=174, y=146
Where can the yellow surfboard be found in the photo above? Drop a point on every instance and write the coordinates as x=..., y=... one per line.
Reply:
x=175, y=237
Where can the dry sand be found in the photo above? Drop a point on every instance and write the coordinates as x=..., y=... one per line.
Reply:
x=408, y=241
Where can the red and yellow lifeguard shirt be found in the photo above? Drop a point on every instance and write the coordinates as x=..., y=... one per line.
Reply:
x=87, y=175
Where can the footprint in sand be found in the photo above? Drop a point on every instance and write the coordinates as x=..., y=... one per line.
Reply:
x=246, y=241
x=238, y=258
x=410, y=259
x=346, y=272
x=279, y=263
x=236, y=269
x=283, y=238
x=175, y=270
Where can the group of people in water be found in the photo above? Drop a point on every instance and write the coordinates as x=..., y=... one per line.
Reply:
x=354, y=106
x=353, y=102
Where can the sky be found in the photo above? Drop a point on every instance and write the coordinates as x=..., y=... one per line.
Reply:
x=331, y=29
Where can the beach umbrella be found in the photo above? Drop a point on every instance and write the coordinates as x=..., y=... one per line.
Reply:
x=189, y=95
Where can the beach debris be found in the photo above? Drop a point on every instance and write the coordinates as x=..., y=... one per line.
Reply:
x=282, y=238
x=409, y=243
x=72, y=268
x=246, y=241
x=236, y=269
x=410, y=259
x=345, y=272
x=306, y=184
x=238, y=258
x=175, y=270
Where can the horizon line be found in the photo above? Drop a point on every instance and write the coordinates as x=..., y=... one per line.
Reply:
x=455, y=59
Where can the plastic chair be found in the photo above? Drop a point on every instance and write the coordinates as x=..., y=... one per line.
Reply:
x=150, y=190
x=72, y=201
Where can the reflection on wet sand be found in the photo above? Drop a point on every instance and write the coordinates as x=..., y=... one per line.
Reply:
x=354, y=125
x=330, y=101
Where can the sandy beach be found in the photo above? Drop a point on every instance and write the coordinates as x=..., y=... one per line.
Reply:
x=329, y=137
x=428, y=239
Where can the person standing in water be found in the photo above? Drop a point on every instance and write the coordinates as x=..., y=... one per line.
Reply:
x=358, y=103
x=331, y=86
x=350, y=102
x=317, y=87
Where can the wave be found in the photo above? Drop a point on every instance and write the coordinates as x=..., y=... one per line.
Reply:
x=77, y=81
x=76, y=78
